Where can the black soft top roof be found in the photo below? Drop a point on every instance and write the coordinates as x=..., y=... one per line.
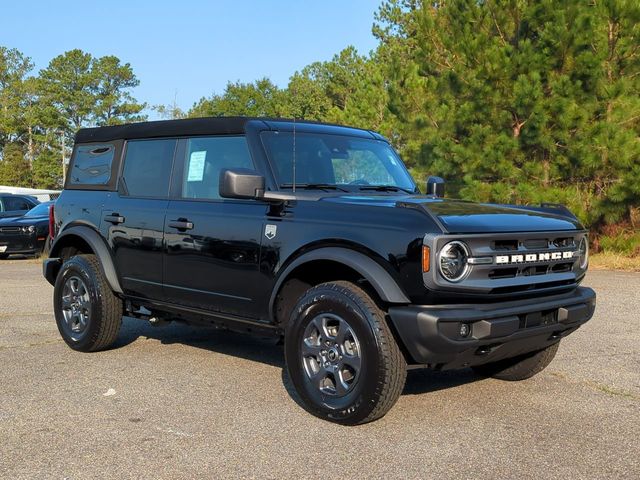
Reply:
x=209, y=126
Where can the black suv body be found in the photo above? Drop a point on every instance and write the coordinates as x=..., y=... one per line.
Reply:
x=316, y=233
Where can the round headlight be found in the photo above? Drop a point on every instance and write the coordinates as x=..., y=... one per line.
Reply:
x=453, y=261
x=29, y=229
x=583, y=252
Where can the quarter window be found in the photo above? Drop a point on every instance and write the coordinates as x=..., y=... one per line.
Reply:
x=147, y=167
x=92, y=165
x=205, y=158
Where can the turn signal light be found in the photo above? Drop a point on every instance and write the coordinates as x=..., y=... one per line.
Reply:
x=426, y=258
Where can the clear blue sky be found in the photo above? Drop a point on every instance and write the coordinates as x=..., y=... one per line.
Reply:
x=192, y=48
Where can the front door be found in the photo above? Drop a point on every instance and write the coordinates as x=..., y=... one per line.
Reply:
x=212, y=245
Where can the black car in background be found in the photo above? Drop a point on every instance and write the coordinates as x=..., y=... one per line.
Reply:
x=15, y=205
x=27, y=234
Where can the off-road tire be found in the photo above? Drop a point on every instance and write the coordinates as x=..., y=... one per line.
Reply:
x=521, y=367
x=105, y=311
x=383, y=368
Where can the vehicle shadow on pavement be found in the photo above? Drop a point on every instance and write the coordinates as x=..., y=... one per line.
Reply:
x=249, y=347
x=267, y=351
x=426, y=381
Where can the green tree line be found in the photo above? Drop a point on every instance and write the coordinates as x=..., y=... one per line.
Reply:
x=511, y=101
x=40, y=113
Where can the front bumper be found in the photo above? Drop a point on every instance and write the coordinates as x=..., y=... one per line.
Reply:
x=50, y=269
x=20, y=243
x=431, y=334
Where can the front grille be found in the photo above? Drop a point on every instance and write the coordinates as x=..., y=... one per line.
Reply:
x=525, y=246
x=504, y=245
x=533, y=286
x=512, y=262
x=10, y=230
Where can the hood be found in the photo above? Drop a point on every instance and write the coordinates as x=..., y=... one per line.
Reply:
x=4, y=216
x=24, y=220
x=458, y=216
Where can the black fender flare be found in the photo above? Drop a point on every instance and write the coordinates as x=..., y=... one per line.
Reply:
x=96, y=243
x=382, y=282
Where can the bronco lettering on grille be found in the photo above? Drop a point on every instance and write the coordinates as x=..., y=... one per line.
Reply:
x=534, y=257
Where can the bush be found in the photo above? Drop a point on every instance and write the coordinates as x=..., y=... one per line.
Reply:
x=624, y=243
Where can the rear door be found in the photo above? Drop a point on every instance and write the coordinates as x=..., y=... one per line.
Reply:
x=134, y=219
x=212, y=245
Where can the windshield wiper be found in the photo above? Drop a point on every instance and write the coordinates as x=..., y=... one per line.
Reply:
x=314, y=186
x=386, y=188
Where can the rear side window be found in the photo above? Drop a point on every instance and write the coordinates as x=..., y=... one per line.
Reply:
x=205, y=158
x=92, y=165
x=147, y=167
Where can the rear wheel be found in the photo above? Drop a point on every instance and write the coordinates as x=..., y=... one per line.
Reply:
x=341, y=355
x=521, y=367
x=88, y=314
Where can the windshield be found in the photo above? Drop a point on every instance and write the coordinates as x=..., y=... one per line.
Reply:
x=41, y=210
x=324, y=160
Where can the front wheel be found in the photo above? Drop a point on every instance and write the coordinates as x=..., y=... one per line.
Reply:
x=88, y=313
x=341, y=356
x=521, y=367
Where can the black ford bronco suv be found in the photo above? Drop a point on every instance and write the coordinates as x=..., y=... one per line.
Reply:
x=315, y=233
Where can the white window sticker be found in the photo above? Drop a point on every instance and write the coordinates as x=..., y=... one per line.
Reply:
x=196, y=166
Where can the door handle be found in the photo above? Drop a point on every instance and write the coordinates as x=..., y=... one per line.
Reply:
x=181, y=224
x=114, y=218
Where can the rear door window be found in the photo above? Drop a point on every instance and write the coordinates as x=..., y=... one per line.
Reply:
x=147, y=168
x=91, y=164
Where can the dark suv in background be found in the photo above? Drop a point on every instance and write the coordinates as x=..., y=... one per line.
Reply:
x=316, y=233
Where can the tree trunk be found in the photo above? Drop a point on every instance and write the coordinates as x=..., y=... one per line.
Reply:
x=30, y=146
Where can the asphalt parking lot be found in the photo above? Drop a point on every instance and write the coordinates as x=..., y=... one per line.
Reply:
x=180, y=402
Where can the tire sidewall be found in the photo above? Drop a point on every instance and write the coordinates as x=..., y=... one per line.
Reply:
x=79, y=267
x=358, y=403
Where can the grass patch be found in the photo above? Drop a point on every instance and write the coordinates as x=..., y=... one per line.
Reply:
x=612, y=391
x=624, y=242
x=614, y=261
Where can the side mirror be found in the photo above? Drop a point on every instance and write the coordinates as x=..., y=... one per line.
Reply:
x=435, y=186
x=241, y=183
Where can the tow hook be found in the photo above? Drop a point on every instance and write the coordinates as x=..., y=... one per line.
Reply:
x=485, y=350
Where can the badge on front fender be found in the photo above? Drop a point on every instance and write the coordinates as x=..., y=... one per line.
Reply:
x=270, y=231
